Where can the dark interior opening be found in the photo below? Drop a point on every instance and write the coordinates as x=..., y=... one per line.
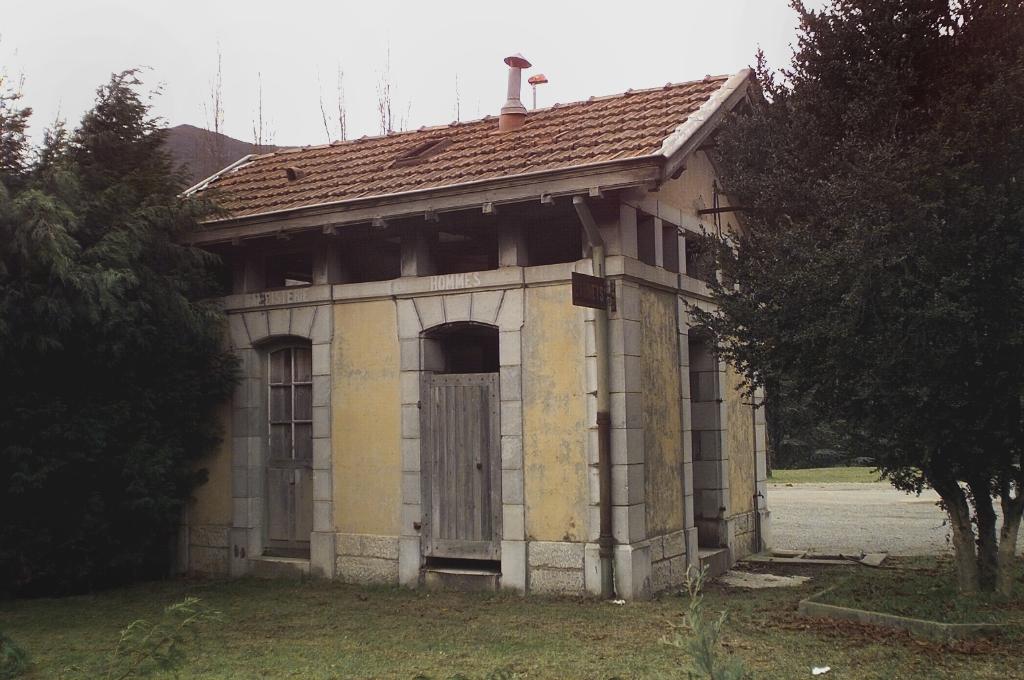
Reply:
x=699, y=264
x=645, y=238
x=285, y=270
x=460, y=248
x=454, y=563
x=670, y=246
x=371, y=259
x=554, y=240
x=466, y=347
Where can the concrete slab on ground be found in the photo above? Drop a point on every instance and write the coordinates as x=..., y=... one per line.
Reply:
x=757, y=581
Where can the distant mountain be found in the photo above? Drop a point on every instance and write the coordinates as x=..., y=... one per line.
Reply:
x=202, y=152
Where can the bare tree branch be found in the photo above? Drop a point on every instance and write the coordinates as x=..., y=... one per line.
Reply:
x=323, y=109
x=384, y=111
x=342, y=111
x=215, y=115
x=458, y=100
x=258, y=140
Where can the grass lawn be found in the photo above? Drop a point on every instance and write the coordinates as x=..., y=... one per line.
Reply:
x=926, y=589
x=328, y=630
x=832, y=475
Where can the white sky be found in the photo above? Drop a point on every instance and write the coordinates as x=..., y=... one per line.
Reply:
x=66, y=48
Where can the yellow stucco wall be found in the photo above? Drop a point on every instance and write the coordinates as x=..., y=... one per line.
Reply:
x=212, y=503
x=554, y=416
x=366, y=419
x=739, y=438
x=663, y=444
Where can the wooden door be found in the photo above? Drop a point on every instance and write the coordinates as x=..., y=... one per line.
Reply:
x=290, y=452
x=462, y=467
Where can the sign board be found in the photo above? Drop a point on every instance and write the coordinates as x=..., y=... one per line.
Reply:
x=590, y=291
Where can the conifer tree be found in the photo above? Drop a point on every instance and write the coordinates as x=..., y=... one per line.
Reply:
x=112, y=357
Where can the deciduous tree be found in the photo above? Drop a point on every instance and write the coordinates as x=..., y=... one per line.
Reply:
x=882, y=274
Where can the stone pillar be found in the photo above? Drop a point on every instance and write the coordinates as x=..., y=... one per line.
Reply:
x=627, y=232
x=659, y=243
x=707, y=429
x=322, y=560
x=410, y=558
x=514, y=551
x=511, y=245
x=253, y=271
x=671, y=248
x=761, y=468
x=690, y=524
x=329, y=265
x=681, y=241
x=632, y=553
x=417, y=259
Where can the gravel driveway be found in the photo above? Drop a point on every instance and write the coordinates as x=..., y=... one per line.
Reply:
x=850, y=518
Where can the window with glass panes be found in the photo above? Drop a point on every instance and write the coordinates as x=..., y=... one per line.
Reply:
x=291, y=404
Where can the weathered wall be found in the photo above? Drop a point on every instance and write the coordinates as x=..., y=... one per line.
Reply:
x=213, y=499
x=663, y=445
x=365, y=424
x=554, y=416
x=739, y=438
x=209, y=514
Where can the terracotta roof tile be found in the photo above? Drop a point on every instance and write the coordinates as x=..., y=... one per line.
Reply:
x=629, y=125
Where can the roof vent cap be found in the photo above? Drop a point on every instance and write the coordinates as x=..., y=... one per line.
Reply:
x=513, y=113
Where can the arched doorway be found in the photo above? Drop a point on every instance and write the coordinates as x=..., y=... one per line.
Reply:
x=461, y=470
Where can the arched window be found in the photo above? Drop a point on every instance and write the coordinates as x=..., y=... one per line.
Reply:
x=291, y=404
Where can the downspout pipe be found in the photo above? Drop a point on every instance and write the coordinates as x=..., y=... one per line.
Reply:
x=606, y=540
x=758, y=497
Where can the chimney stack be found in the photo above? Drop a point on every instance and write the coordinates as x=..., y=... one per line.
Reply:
x=513, y=113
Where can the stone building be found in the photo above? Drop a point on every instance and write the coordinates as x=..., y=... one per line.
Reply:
x=420, y=396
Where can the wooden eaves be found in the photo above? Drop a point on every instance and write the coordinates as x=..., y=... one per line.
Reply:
x=606, y=176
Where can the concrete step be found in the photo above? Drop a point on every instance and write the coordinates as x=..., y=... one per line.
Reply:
x=267, y=566
x=450, y=578
x=715, y=560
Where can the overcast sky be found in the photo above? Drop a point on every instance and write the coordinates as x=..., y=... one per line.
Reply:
x=64, y=49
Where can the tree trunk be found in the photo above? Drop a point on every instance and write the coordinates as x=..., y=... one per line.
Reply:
x=1012, y=509
x=963, y=534
x=988, y=548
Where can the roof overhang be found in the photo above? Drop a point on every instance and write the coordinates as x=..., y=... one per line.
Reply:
x=607, y=176
x=695, y=130
x=647, y=172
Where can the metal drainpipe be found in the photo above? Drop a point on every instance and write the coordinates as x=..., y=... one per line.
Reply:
x=605, y=539
x=758, y=497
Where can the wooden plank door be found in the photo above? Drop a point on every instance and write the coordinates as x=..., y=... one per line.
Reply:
x=290, y=460
x=462, y=468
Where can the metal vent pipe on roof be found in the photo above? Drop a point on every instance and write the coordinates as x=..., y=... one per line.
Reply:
x=513, y=113
x=534, y=81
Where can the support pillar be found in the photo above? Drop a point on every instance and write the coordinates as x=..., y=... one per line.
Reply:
x=417, y=259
